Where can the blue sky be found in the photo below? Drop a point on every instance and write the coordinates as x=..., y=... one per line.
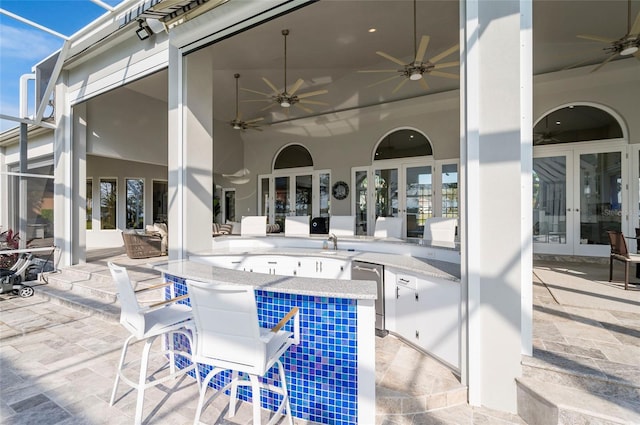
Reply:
x=22, y=46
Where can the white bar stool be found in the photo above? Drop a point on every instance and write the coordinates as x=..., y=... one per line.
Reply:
x=229, y=337
x=147, y=323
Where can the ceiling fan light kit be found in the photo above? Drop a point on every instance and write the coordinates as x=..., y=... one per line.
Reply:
x=415, y=75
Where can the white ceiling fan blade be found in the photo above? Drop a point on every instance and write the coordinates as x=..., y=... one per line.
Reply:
x=422, y=48
x=270, y=84
x=268, y=106
x=582, y=62
x=400, y=84
x=445, y=75
x=604, y=62
x=595, y=38
x=254, y=120
x=384, y=81
x=378, y=70
x=312, y=93
x=391, y=58
x=424, y=84
x=635, y=28
x=255, y=91
x=313, y=102
x=296, y=86
x=438, y=58
x=307, y=110
x=446, y=65
x=240, y=173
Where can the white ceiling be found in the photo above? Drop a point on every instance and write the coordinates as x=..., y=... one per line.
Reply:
x=329, y=42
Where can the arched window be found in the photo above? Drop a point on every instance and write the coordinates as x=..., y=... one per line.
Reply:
x=404, y=143
x=293, y=156
x=576, y=123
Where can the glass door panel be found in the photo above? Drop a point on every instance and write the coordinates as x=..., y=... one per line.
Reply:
x=282, y=200
x=550, y=200
x=386, y=194
x=449, y=191
x=419, y=199
x=303, y=195
x=360, y=200
x=324, y=199
x=265, y=203
x=600, y=196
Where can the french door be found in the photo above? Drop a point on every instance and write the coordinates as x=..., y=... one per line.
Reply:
x=397, y=189
x=293, y=196
x=578, y=195
x=300, y=193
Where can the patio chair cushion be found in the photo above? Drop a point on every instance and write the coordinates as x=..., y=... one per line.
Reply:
x=222, y=229
x=273, y=228
x=142, y=245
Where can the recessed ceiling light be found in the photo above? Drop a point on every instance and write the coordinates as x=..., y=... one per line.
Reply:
x=557, y=122
x=571, y=106
x=372, y=30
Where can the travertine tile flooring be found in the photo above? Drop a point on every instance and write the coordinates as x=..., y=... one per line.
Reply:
x=57, y=365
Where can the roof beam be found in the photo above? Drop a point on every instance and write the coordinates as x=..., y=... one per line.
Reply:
x=33, y=24
x=103, y=5
x=26, y=121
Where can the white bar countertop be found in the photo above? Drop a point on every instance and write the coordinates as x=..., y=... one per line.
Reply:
x=423, y=266
x=353, y=289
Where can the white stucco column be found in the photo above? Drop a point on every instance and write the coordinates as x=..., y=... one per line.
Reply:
x=79, y=133
x=190, y=153
x=496, y=97
x=63, y=175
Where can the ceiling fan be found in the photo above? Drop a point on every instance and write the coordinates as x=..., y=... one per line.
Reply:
x=286, y=98
x=416, y=70
x=547, y=136
x=237, y=122
x=627, y=45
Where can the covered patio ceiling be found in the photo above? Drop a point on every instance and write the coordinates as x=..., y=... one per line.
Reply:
x=330, y=41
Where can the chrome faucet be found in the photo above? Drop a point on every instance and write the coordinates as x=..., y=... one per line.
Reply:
x=333, y=238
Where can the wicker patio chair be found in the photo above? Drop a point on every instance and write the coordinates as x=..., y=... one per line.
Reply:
x=140, y=245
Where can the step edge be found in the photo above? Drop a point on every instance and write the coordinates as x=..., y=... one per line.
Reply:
x=76, y=306
x=563, y=405
x=603, y=377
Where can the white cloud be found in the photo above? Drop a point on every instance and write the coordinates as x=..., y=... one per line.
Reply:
x=26, y=44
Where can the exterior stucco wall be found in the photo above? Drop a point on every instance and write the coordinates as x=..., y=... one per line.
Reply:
x=40, y=146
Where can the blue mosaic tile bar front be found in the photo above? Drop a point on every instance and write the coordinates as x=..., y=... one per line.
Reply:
x=321, y=370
